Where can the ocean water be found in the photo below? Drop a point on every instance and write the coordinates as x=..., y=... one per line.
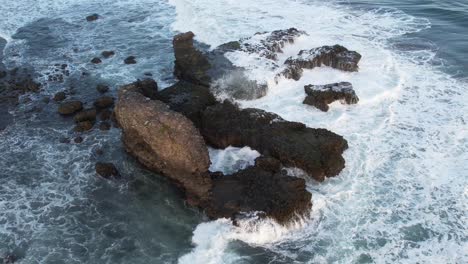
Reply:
x=402, y=198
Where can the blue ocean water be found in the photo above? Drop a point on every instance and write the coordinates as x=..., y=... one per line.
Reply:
x=401, y=199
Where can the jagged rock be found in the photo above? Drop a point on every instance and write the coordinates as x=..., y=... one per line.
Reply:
x=92, y=17
x=164, y=141
x=337, y=57
x=255, y=189
x=83, y=126
x=102, y=88
x=96, y=60
x=85, y=115
x=107, y=54
x=106, y=170
x=60, y=96
x=316, y=151
x=104, y=102
x=70, y=107
x=190, y=64
x=269, y=44
x=188, y=99
x=321, y=96
x=130, y=60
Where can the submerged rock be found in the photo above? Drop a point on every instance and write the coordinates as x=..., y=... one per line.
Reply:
x=106, y=170
x=321, y=96
x=96, y=60
x=337, y=57
x=107, y=54
x=188, y=99
x=102, y=88
x=83, y=126
x=60, y=96
x=316, y=151
x=70, y=107
x=104, y=102
x=85, y=115
x=164, y=141
x=130, y=60
x=92, y=17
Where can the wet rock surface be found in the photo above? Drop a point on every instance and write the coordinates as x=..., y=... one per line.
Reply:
x=147, y=87
x=70, y=107
x=130, y=60
x=188, y=99
x=337, y=57
x=321, y=96
x=92, y=17
x=164, y=141
x=255, y=189
x=316, y=151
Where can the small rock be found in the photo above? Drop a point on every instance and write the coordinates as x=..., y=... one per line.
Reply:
x=130, y=60
x=60, y=96
x=96, y=60
x=106, y=170
x=64, y=140
x=107, y=53
x=148, y=74
x=83, y=126
x=46, y=99
x=105, y=115
x=70, y=107
x=92, y=17
x=78, y=140
x=3, y=74
x=105, y=126
x=102, y=88
x=86, y=115
x=104, y=102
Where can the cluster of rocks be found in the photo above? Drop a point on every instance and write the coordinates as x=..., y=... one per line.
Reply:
x=85, y=118
x=168, y=131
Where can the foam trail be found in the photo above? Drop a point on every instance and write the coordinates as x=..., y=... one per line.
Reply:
x=407, y=135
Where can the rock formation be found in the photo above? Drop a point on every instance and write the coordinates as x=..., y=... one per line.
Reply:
x=337, y=57
x=321, y=96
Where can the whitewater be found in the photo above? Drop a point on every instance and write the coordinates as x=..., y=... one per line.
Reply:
x=402, y=198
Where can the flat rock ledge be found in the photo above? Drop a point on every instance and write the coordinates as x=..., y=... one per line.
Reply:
x=321, y=96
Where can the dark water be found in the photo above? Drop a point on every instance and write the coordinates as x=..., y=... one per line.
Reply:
x=448, y=33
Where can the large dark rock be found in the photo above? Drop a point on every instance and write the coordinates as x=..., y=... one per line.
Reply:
x=190, y=64
x=85, y=115
x=166, y=142
x=316, y=151
x=321, y=96
x=337, y=57
x=104, y=102
x=188, y=99
x=70, y=107
x=92, y=17
x=255, y=189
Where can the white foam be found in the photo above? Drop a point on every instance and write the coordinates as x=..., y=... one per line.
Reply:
x=232, y=159
x=402, y=196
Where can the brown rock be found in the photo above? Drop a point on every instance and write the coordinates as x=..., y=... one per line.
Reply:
x=102, y=88
x=105, y=114
x=70, y=107
x=104, y=126
x=106, y=170
x=60, y=96
x=83, y=126
x=104, y=102
x=85, y=115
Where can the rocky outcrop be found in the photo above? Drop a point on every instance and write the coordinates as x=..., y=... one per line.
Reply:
x=190, y=64
x=321, y=96
x=316, y=151
x=256, y=189
x=269, y=44
x=164, y=141
x=337, y=57
x=187, y=98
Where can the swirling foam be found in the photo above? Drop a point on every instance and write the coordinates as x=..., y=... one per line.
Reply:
x=402, y=197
